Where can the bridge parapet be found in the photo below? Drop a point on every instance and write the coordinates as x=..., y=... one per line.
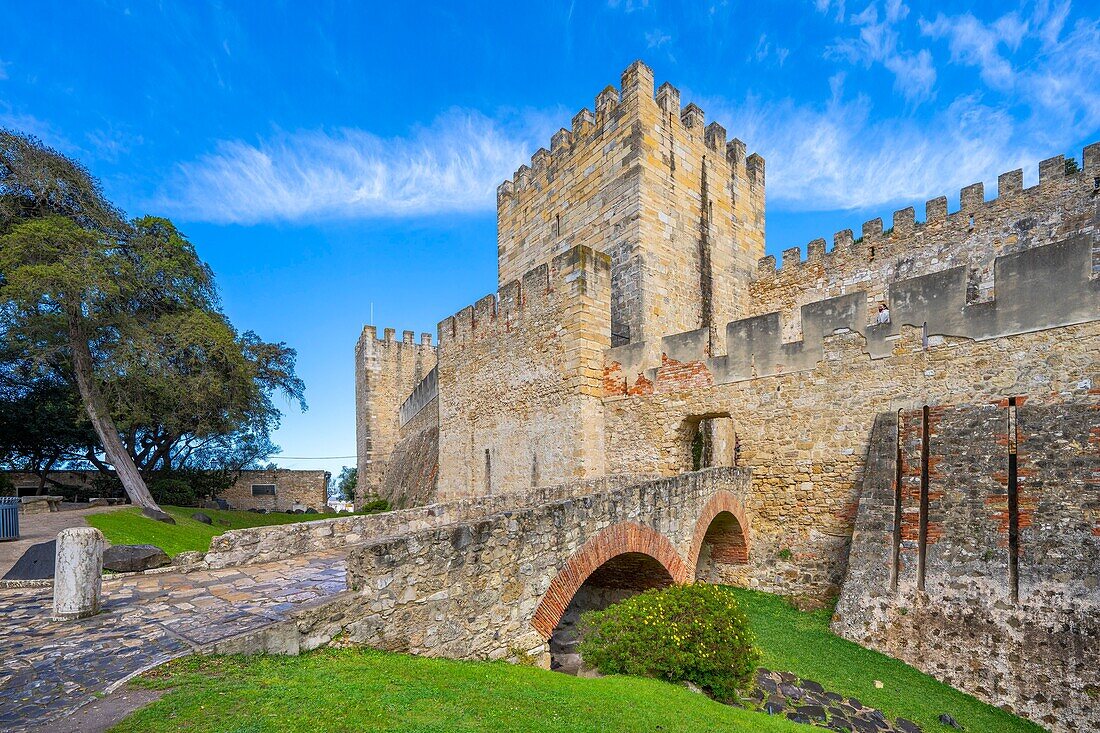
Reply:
x=279, y=542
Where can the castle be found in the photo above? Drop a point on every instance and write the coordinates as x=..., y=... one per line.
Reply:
x=941, y=471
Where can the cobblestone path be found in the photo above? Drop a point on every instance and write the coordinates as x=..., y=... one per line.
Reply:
x=48, y=669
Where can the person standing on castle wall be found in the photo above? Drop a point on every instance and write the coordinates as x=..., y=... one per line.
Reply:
x=883, y=314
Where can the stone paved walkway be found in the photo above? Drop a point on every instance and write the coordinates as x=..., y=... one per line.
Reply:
x=48, y=669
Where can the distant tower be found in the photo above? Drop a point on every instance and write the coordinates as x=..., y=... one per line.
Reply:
x=679, y=210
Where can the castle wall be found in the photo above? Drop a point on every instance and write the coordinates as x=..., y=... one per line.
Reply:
x=971, y=238
x=413, y=466
x=307, y=488
x=519, y=381
x=805, y=434
x=386, y=373
x=679, y=210
x=1005, y=602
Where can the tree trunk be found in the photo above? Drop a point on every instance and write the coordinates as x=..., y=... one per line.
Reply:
x=104, y=426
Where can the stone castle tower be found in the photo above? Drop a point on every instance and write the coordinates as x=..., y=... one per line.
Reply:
x=677, y=208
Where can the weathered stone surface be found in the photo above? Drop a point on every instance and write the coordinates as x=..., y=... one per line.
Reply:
x=78, y=573
x=134, y=558
x=293, y=488
x=201, y=517
x=158, y=515
x=955, y=598
x=37, y=563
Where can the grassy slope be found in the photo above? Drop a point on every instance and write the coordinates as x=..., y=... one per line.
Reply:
x=128, y=527
x=801, y=642
x=364, y=690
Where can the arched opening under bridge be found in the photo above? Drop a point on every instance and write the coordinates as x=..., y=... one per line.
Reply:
x=622, y=560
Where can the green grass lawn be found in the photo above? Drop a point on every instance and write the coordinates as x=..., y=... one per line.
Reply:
x=800, y=642
x=365, y=690
x=129, y=527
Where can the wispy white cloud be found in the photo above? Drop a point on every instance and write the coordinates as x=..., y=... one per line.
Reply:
x=879, y=41
x=453, y=165
x=765, y=49
x=975, y=43
x=628, y=6
x=656, y=38
x=835, y=156
x=823, y=6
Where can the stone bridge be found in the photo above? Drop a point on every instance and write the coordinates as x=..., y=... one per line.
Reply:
x=512, y=584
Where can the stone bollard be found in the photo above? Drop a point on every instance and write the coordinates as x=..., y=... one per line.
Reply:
x=78, y=573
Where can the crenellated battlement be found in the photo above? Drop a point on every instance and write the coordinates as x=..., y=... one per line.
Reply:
x=562, y=284
x=591, y=128
x=368, y=339
x=935, y=302
x=975, y=215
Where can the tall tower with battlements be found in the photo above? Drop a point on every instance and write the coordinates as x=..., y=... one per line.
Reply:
x=677, y=207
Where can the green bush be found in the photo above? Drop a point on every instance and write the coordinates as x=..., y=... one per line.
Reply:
x=7, y=488
x=174, y=492
x=682, y=633
x=375, y=505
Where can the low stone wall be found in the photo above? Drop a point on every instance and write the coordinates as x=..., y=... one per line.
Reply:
x=264, y=544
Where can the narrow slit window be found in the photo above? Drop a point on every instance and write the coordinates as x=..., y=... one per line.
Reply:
x=488, y=472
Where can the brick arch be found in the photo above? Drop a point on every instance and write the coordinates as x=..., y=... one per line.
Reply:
x=722, y=501
x=618, y=539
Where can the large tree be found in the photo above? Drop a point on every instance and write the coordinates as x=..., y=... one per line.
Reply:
x=128, y=314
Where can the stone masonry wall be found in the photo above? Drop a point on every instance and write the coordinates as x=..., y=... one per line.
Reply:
x=386, y=372
x=679, y=210
x=805, y=434
x=308, y=488
x=1004, y=603
x=414, y=463
x=486, y=589
x=971, y=238
x=519, y=381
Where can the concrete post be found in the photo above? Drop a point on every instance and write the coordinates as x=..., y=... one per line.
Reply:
x=78, y=573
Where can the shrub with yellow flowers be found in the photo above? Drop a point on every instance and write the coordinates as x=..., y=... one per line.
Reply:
x=682, y=633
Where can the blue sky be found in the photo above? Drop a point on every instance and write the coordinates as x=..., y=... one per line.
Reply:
x=327, y=156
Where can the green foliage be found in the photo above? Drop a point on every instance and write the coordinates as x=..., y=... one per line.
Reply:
x=174, y=491
x=682, y=633
x=168, y=373
x=343, y=690
x=347, y=482
x=7, y=488
x=785, y=554
x=374, y=506
x=801, y=642
x=1071, y=165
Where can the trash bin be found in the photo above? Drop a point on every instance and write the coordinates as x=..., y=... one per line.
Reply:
x=9, y=518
